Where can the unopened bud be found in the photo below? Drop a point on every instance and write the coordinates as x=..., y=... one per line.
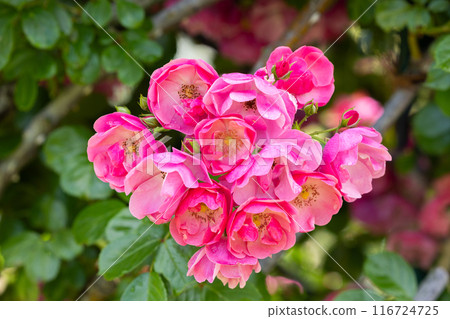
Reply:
x=143, y=103
x=122, y=109
x=350, y=118
x=150, y=121
x=310, y=109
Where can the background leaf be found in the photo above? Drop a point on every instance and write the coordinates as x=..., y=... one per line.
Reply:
x=40, y=28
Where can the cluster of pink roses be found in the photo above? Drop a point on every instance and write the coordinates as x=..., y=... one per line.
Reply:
x=245, y=181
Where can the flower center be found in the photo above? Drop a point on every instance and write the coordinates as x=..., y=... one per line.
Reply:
x=230, y=141
x=250, y=105
x=204, y=213
x=188, y=91
x=307, y=196
x=261, y=220
x=131, y=145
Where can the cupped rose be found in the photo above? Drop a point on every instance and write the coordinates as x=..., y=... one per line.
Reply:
x=224, y=143
x=176, y=91
x=159, y=182
x=202, y=215
x=120, y=143
x=268, y=110
x=260, y=228
x=313, y=196
x=215, y=260
x=306, y=73
x=294, y=150
x=369, y=109
x=355, y=157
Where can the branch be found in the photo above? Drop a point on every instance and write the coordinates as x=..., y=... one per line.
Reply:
x=396, y=105
x=433, y=285
x=305, y=19
x=175, y=13
x=34, y=135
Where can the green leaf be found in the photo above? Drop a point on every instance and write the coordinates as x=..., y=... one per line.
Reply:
x=430, y=128
x=36, y=64
x=17, y=249
x=130, y=14
x=62, y=17
x=112, y=58
x=115, y=60
x=147, y=51
x=26, y=288
x=171, y=261
x=442, y=99
x=40, y=27
x=391, y=274
x=89, y=73
x=6, y=39
x=80, y=180
x=145, y=287
x=16, y=3
x=418, y=17
x=122, y=224
x=64, y=246
x=217, y=291
x=358, y=295
x=90, y=224
x=156, y=288
x=77, y=53
x=25, y=93
x=42, y=264
x=438, y=79
x=130, y=73
x=50, y=213
x=442, y=53
x=127, y=253
x=392, y=14
x=100, y=11
x=438, y=5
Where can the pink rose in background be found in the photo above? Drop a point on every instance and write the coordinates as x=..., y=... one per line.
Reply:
x=355, y=157
x=175, y=92
x=293, y=150
x=160, y=181
x=434, y=218
x=225, y=143
x=384, y=213
x=273, y=283
x=262, y=105
x=369, y=109
x=310, y=77
x=215, y=260
x=416, y=247
x=260, y=228
x=313, y=196
x=202, y=215
x=121, y=142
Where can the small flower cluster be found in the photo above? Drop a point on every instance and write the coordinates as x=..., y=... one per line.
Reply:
x=246, y=179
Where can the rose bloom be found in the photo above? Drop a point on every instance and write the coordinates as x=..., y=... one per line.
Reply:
x=311, y=74
x=202, y=215
x=369, y=109
x=215, y=260
x=417, y=248
x=175, y=93
x=159, y=182
x=313, y=196
x=355, y=157
x=120, y=143
x=268, y=110
x=260, y=228
x=224, y=142
x=434, y=218
x=294, y=150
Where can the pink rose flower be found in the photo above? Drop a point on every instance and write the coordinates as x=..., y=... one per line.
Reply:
x=355, y=157
x=434, y=218
x=120, y=143
x=215, y=260
x=224, y=143
x=268, y=110
x=294, y=150
x=369, y=109
x=175, y=92
x=416, y=247
x=313, y=196
x=202, y=215
x=311, y=76
x=160, y=181
x=260, y=228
